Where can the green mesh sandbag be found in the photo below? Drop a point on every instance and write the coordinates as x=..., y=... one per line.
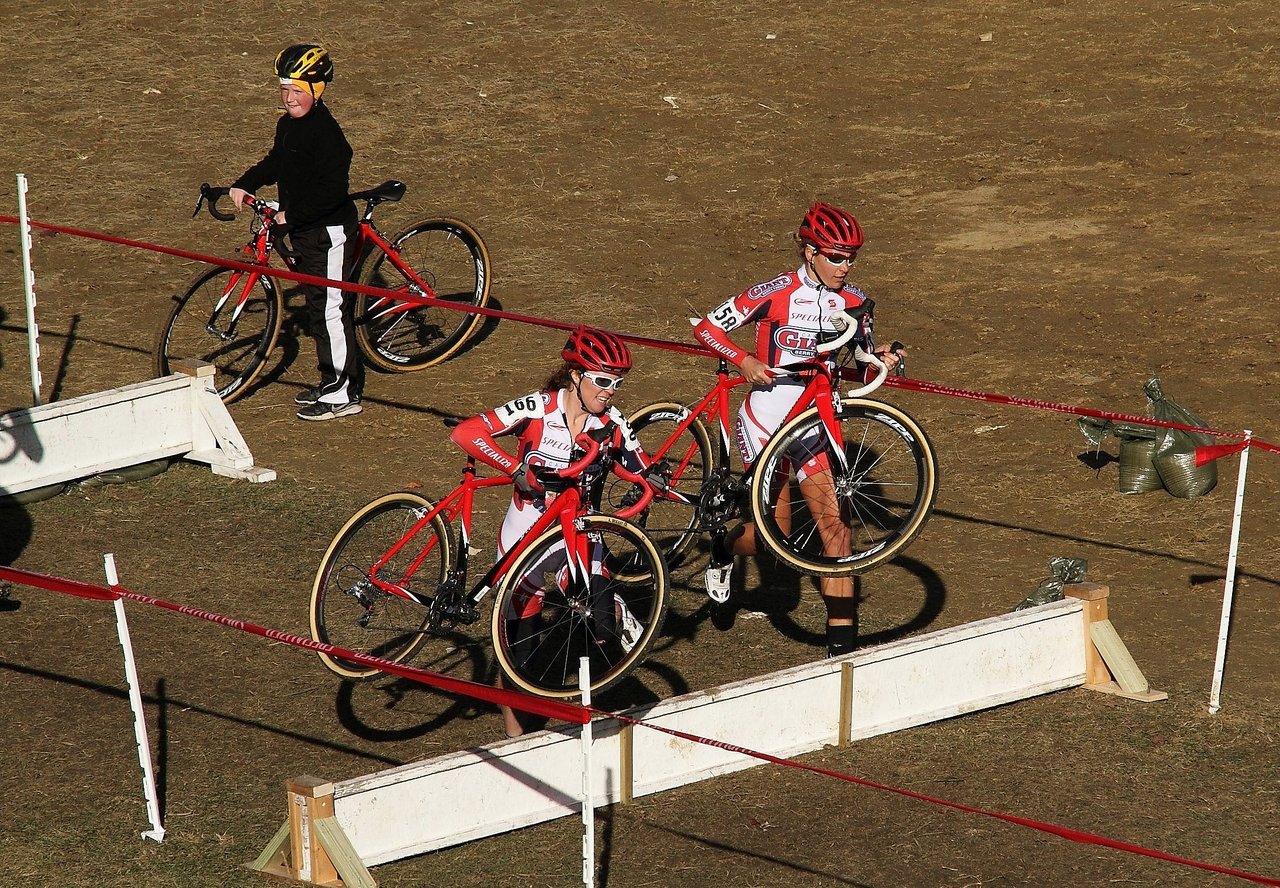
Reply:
x=1175, y=449
x=1182, y=477
x=1138, y=473
x=1137, y=448
x=1062, y=570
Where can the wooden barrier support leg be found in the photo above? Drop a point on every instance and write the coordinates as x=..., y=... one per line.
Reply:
x=311, y=847
x=626, y=764
x=1109, y=667
x=845, y=729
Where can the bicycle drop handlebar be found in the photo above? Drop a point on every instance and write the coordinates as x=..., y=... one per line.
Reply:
x=850, y=329
x=591, y=452
x=266, y=210
x=211, y=194
x=851, y=325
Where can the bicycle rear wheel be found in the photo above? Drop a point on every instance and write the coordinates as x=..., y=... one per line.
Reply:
x=881, y=487
x=683, y=462
x=447, y=256
x=348, y=611
x=237, y=344
x=545, y=619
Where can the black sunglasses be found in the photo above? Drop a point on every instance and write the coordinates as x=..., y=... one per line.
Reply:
x=838, y=260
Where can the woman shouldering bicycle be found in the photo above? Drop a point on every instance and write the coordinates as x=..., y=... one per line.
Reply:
x=792, y=313
x=576, y=399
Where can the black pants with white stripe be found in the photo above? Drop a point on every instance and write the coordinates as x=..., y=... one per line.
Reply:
x=330, y=251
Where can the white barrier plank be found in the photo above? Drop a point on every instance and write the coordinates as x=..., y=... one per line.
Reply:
x=970, y=667
x=507, y=785
x=503, y=786
x=67, y=440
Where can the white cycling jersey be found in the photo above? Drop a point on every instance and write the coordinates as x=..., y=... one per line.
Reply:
x=791, y=313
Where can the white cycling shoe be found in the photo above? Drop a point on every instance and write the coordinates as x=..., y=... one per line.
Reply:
x=717, y=583
x=629, y=628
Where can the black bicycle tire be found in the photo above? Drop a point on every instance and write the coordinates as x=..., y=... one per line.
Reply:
x=320, y=586
x=896, y=421
x=532, y=555
x=242, y=381
x=391, y=362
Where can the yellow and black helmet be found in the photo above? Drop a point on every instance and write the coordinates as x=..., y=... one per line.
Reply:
x=305, y=62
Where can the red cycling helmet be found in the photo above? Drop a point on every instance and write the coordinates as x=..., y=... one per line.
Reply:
x=597, y=351
x=830, y=228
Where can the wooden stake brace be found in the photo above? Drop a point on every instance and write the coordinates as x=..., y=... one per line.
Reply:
x=1109, y=667
x=311, y=848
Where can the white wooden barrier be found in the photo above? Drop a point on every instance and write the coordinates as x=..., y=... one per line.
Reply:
x=514, y=783
x=177, y=415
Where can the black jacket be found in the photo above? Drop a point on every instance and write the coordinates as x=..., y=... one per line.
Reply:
x=310, y=165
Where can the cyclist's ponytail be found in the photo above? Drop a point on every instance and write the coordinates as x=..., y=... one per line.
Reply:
x=561, y=378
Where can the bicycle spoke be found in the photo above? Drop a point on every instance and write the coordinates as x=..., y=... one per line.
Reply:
x=208, y=323
x=861, y=505
x=686, y=463
x=546, y=620
x=447, y=261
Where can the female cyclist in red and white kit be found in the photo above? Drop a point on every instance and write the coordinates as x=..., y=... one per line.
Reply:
x=576, y=399
x=791, y=313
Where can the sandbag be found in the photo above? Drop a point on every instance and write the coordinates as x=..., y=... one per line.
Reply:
x=1138, y=473
x=1137, y=452
x=1174, y=456
x=1062, y=570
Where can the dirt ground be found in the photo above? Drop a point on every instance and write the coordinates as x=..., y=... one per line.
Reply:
x=1061, y=201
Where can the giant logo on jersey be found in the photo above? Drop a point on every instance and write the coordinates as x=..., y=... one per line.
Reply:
x=759, y=291
x=801, y=343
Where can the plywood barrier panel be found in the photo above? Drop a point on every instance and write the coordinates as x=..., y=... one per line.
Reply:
x=504, y=786
x=468, y=795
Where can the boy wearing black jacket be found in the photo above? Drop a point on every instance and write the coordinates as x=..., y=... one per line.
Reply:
x=310, y=165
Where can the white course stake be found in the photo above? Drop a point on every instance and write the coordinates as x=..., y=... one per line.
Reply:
x=588, y=800
x=29, y=288
x=135, y=700
x=1229, y=585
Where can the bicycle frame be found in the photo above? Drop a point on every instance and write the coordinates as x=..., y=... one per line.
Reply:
x=818, y=391
x=459, y=504
x=565, y=509
x=261, y=245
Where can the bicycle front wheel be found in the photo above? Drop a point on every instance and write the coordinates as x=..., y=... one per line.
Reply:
x=547, y=616
x=348, y=611
x=683, y=462
x=448, y=261
x=208, y=323
x=831, y=511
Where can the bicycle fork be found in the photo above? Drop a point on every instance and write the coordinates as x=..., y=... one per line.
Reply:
x=229, y=333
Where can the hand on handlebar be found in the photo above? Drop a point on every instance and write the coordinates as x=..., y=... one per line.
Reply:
x=237, y=196
x=892, y=355
x=756, y=371
x=525, y=478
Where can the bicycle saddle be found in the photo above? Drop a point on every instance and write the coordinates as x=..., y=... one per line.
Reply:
x=391, y=189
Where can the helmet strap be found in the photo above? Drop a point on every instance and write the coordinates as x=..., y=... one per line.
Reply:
x=577, y=390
